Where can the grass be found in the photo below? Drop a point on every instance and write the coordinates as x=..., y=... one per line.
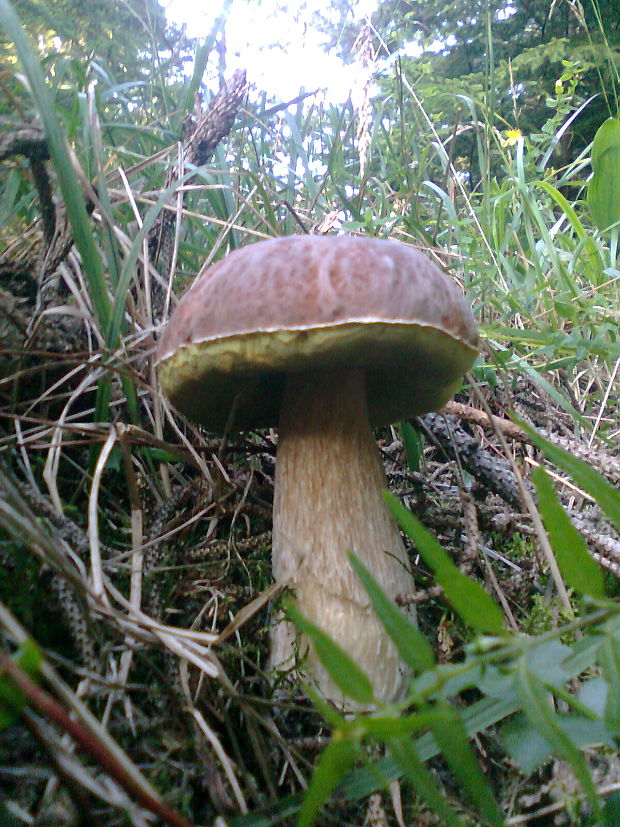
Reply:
x=142, y=527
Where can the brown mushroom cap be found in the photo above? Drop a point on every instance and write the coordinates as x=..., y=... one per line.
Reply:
x=301, y=303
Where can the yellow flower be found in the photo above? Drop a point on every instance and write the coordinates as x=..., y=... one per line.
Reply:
x=511, y=136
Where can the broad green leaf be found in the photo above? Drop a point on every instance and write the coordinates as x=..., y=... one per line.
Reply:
x=547, y=661
x=578, y=568
x=584, y=654
x=413, y=647
x=342, y=669
x=529, y=749
x=497, y=682
x=604, y=188
x=581, y=473
x=610, y=661
x=593, y=694
x=451, y=737
x=412, y=767
x=534, y=699
x=336, y=760
x=469, y=599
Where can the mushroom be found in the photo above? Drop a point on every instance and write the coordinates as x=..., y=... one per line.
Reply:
x=325, y=337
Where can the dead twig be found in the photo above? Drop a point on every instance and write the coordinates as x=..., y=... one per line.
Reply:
x=42, y=701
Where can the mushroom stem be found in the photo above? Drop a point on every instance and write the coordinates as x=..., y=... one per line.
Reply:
x=328, y=499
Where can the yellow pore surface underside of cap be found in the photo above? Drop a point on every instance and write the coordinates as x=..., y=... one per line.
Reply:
x=236, y=381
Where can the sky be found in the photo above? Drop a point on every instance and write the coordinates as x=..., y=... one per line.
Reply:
x=297, y=61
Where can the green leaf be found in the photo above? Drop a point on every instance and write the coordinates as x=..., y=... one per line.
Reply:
x=529, y=749
x=342, y=669
x=59, y=154
x=451, y=737
x=593, y=694
x=328, y=712
x=547, y=661
x=581, y=473
x=584, y=654
x=413, y=647
x=336, y=760
x=580, y=231
x=479, y=716
x=201, y=58
x=611, y=810
x=160, y=455
x=11, y=702
x=385, y=727
x=413, y=443
x=578, y=568
x=610, y=661
x=467, y=597
x=497, y=682
x=553, y=392
x=535, y=700
x=411, y=766
x=28, y=657
x=604, y=188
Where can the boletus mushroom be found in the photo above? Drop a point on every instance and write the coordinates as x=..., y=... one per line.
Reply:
x=325, y=337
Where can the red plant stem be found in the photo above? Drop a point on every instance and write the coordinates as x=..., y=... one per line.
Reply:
x=45, y=704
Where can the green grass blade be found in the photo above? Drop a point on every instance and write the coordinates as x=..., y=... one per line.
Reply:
x=412, y=767
x=581, y=473
x=580, y=231
x=413, y=444
x=342, y=669
x=467, y=597
x=115, y=327
x=413, y=647
x=609, y=655
x=555, y=395
x=479, y=716
x=330, y=714
x=611, y=810
x=578, y=568
x=200, y=61
x=336, y=760
x=59, y=153
x=384, y=727
x=535, y=703
x=451, y=737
